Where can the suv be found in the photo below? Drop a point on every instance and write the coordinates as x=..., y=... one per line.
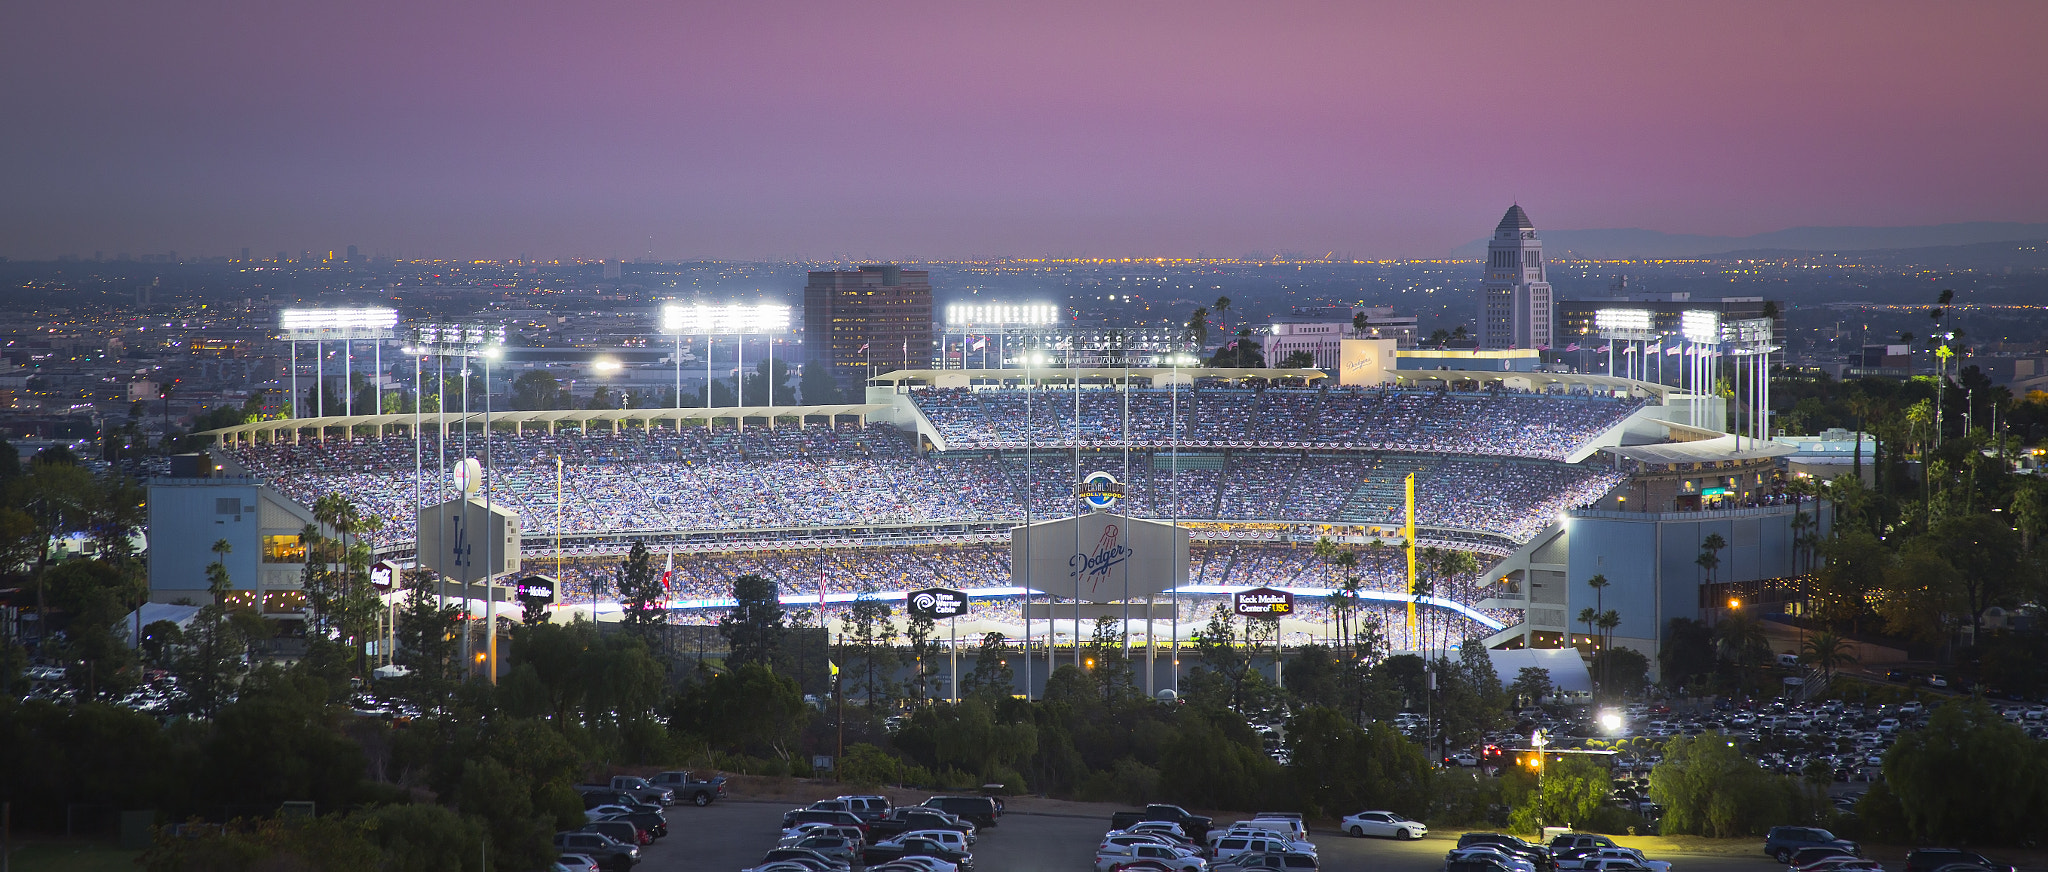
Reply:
x=977, y=810
x=1569, y=842
x=1783, y=842
x=1930, y=859
x=608, y=852
x=1513, y=846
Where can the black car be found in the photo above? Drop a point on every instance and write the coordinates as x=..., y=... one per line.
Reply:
x=1804, y=856
x=624, y=832
x=1782, y=842
x=1931, y=859
x=653, y=822
x=1514, y=847
x=977, y=810
x=608, y=852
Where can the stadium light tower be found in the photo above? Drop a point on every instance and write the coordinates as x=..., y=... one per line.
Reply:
x=442, y=341
x=318, y=326
x=1749, y=341
x=1701, y=329
x=740, y=320
x=1627, y=325
x=1000, y=318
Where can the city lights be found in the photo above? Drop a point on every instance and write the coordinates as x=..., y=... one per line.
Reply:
x=704, y=318
x=998, y=315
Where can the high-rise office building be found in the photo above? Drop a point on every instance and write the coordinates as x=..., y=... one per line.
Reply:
x=873, y=319
x=1515, y=299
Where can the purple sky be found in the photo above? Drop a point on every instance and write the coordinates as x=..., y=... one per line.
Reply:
x=866, y=129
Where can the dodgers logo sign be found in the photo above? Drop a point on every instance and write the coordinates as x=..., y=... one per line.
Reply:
x=1094, y=568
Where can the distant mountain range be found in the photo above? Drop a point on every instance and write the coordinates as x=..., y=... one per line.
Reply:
x=1636, y=243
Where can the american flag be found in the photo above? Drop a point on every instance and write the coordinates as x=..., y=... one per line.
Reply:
x=1572, y=347
x=980, y=342
x=863, y=346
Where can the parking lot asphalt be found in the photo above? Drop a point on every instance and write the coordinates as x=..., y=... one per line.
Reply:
x=733, y=834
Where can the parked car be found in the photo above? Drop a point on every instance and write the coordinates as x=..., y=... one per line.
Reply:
x=950, y=838
x=837, y=848
x=1782, y=842
x=1491, y=854
x=909, y=849
x=686, y=787
x=1289, y=822
x=613, y=855
x=624, y=832
x=1932, y=859
x=638, y=788
x=809, y=816
x=1196, y=826
x=978, y=810
x=1514, y=847
x=1233, y=844
x=1567, y=842
x=1108, y=857
x=1385, y=824
x=1269, y=863
x=806, y=856
x=1808, y=856
x=577, y=863
x=1597, y=860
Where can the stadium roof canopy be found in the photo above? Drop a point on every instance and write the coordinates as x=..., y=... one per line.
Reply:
x=963, y=377
x=289, y=429
x=1723, y=447
x=1540, y=380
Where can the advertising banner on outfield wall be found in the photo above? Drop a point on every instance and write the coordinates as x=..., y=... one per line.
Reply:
x=1099, y=557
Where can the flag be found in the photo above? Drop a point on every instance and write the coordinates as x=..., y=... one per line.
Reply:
x=1671, y=350
x=668, y=574
x=835, y=668
x=1542, y=348
x=1572, y=347
x=980, y=342
x=1603, y=349
x=863, y=346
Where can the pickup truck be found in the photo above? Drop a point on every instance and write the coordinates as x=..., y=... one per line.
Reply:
x=873, y=855
x=903, y=819
x=686, y=786
x=637, y=788
x=1196, y=826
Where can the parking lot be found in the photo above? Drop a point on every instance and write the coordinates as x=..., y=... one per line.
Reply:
x=733, y=834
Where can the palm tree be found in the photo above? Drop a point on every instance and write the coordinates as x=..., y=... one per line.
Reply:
x=1710, y=554
x=1599, y=585
x=1223, y=312
x=1606, y=621
x=1587, y=616
x=1826, y=651
x=1198, y=328
x=1357, y=324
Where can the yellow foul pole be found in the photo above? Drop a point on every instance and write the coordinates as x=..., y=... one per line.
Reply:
x=1408, y=545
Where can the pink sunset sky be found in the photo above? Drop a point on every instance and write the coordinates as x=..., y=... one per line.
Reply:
x=941, y=130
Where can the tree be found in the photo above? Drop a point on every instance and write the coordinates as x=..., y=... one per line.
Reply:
x=94, y=595
x=867, y=636
x=1710, y=555
x=1827, y=652
x=538, y=390
x=817, y=385
x=759, y=380
x=220, y=638
x=639, y=588
x=923, y=650
x=748, y=710
x=1688, y=652
x=1624, y=671
x=1197, y=330
x=1709, y=787
x=754, y=628
x=1532, y=685
x=992, y=676
x=1969, y=777
x=1298, y=360
x=1740, y=640
x=1222, y=307
x=1570, y=792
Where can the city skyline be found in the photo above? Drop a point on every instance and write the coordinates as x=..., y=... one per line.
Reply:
x=932, y=132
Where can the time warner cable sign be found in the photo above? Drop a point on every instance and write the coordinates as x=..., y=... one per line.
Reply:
x=1099, y=557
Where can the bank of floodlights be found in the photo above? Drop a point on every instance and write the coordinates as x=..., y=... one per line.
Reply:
x=321, y=324
x=705, y=318
x=456, y=340
x=1700, y=326
x=1624, y=322
x=1002, y=315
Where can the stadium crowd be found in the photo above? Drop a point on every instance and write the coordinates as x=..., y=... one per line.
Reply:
x=820, y=477
x=1495, y=422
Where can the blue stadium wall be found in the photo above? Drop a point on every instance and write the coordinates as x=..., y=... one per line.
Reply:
x=1650, y=561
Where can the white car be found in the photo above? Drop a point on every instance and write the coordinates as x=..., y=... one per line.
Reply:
x=952, y=839
x=1233, y=844
x=1385, y=824
x=1600, y=859
x=924, y=864
x=1111, y=856
x=1122, y=839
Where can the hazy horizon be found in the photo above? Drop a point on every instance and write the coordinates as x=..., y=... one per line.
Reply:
x=909, y=131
